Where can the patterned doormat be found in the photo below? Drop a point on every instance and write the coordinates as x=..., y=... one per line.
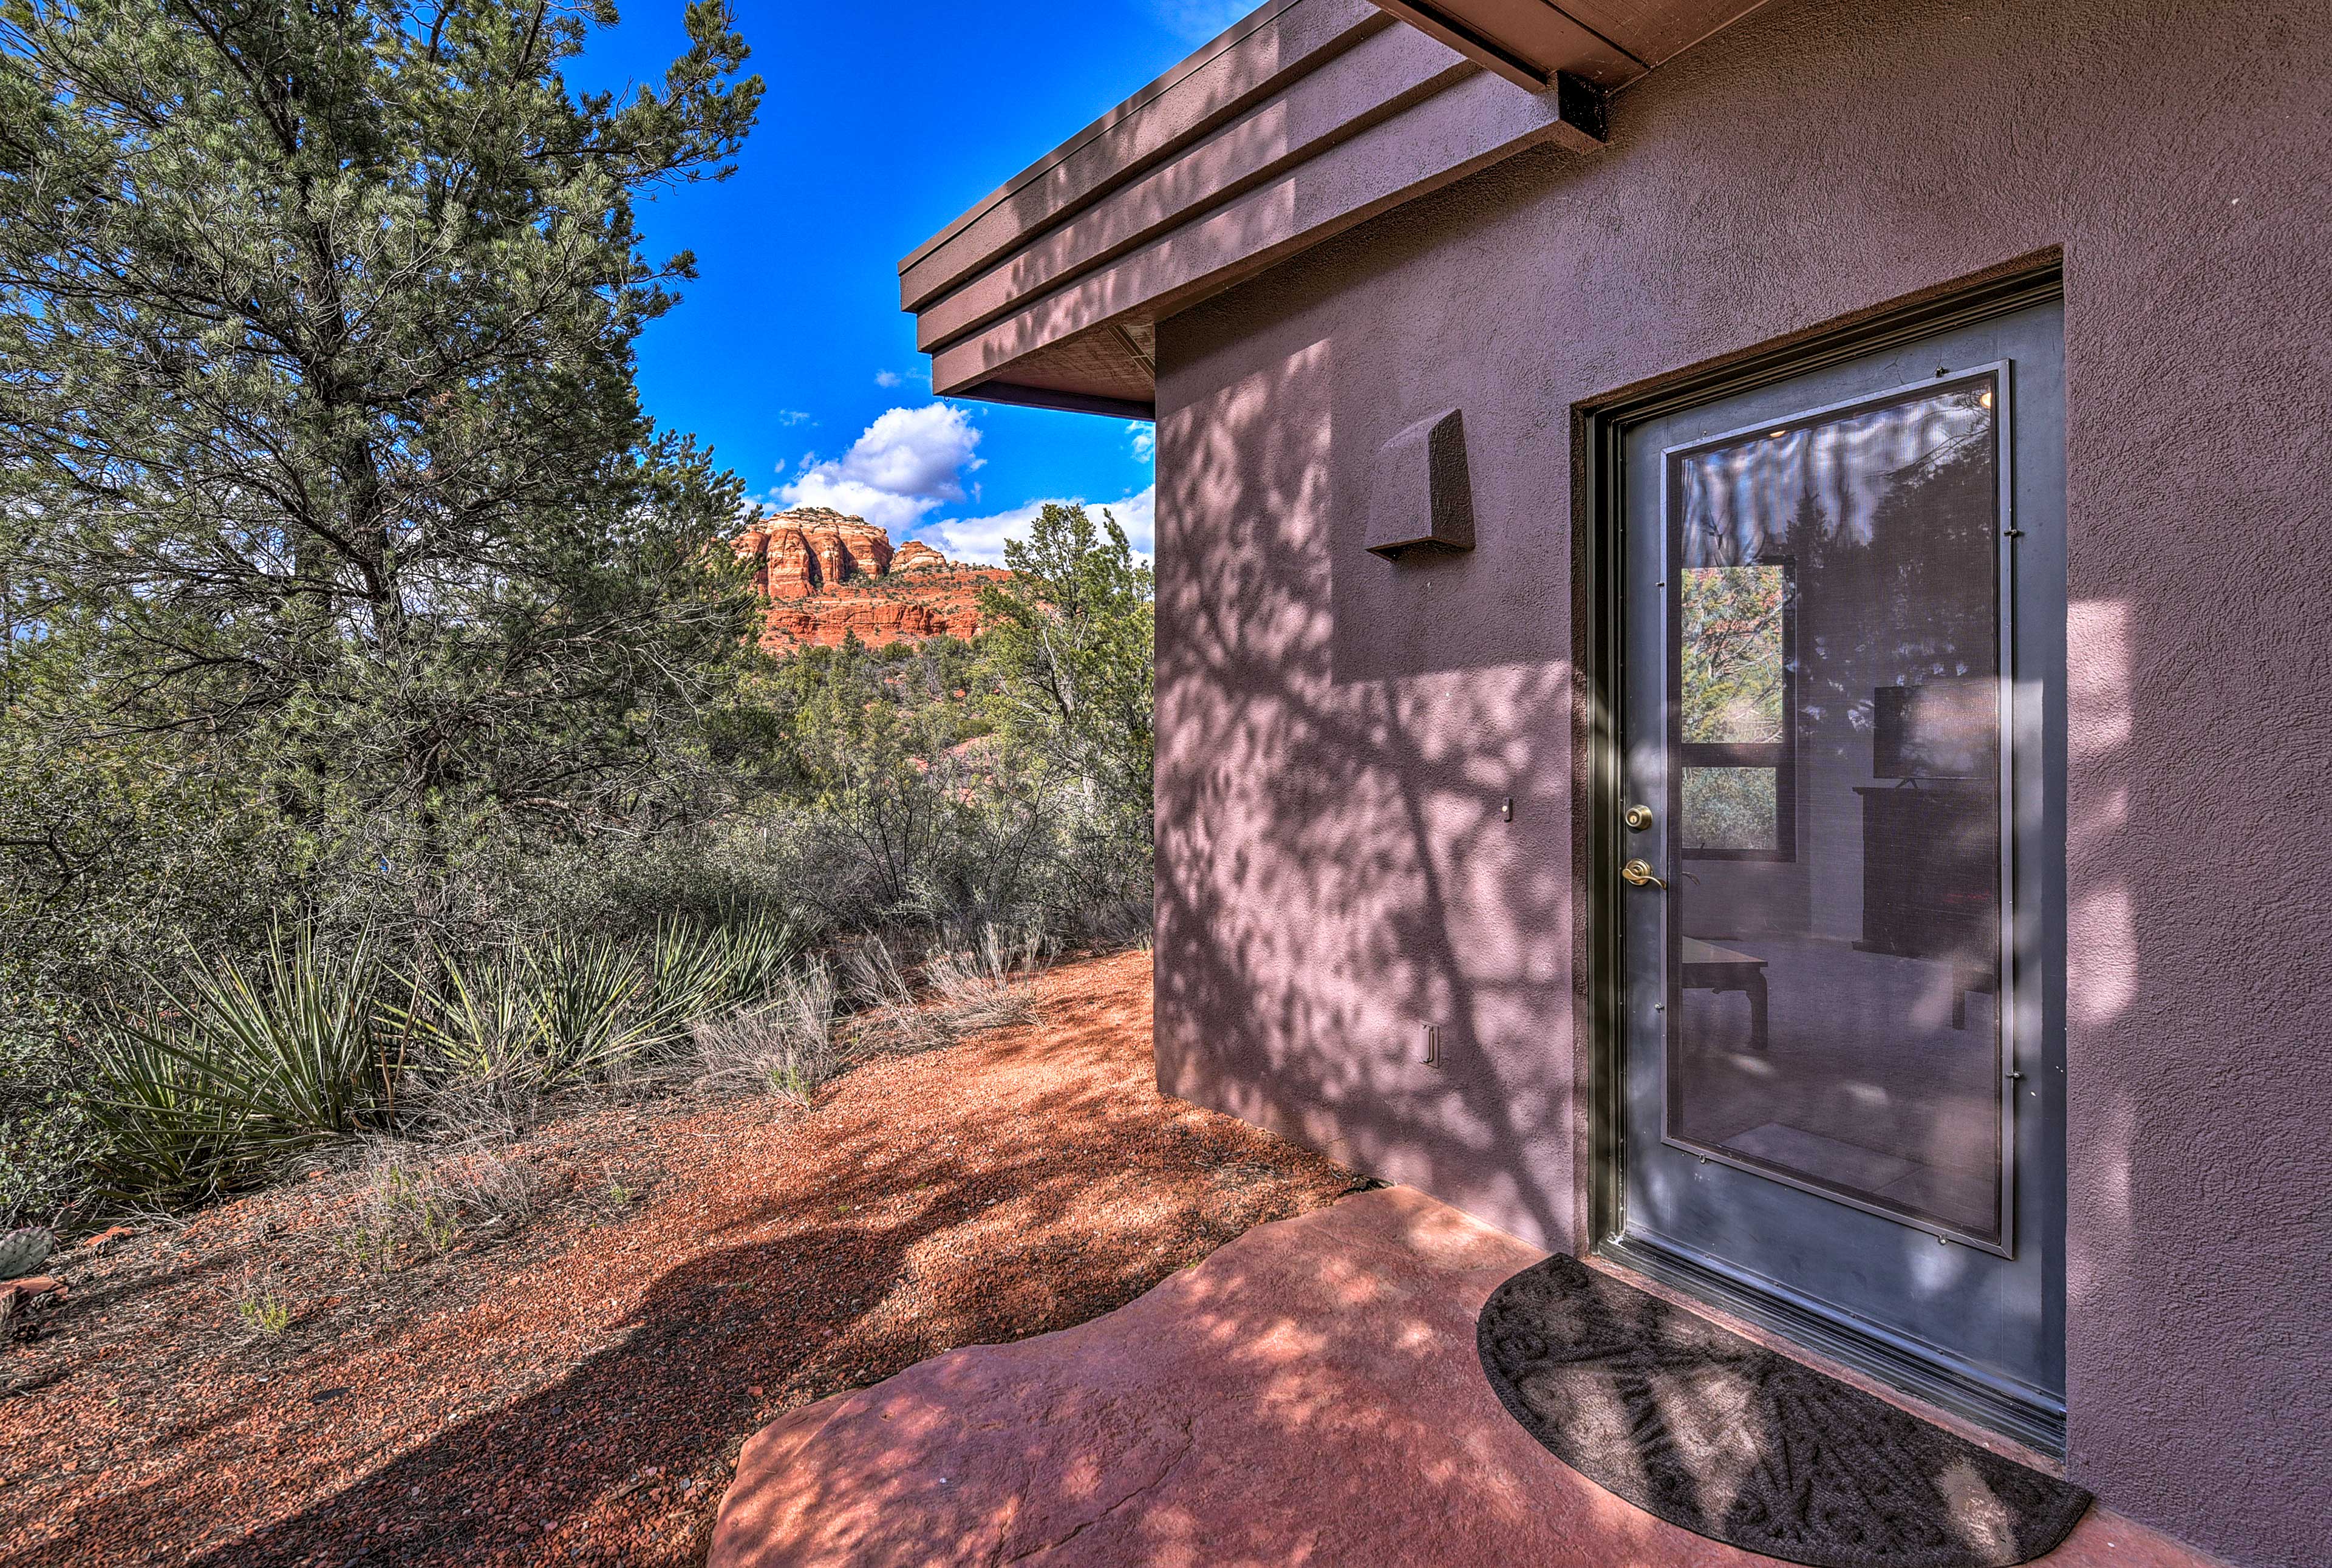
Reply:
x=1737, y=1443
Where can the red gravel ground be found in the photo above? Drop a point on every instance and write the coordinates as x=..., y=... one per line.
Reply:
x=579, y=1392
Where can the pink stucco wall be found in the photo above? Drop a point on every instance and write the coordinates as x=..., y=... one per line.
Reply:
x=1336, y=739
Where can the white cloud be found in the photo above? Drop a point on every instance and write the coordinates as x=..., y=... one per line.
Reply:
x=887, y=378
x=1200, y=20
x=791, y=417
x=982, y=538
x=908, y=463
x=1144, y=437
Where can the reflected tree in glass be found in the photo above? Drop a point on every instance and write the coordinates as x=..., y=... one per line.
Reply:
x=1734, y=713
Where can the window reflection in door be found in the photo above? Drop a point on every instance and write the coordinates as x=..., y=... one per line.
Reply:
x=1835, y=676
x=1736, y=711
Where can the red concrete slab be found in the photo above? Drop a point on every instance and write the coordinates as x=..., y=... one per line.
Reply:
x=1309, y=1394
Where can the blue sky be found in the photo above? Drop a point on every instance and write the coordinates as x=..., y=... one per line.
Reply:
x=881, y=123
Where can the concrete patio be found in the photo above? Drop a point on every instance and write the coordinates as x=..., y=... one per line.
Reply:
x=1309, y=1394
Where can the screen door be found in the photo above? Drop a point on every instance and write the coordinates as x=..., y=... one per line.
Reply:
x=1844, y=617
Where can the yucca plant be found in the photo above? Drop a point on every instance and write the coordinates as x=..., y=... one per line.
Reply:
x=562, y=1011
x=699, y=972
x=891, y=1015
x=595, y=1001
x=171, y=1139
x=692, y=974
x=481, y=1022
x=236, y=1068
x=763, y=951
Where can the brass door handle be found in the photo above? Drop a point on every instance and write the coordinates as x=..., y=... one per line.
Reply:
x=1638, y=874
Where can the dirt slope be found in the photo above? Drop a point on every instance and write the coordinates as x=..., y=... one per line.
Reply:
x=580, y=1391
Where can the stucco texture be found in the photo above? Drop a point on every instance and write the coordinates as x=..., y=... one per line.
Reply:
x=1337, y=735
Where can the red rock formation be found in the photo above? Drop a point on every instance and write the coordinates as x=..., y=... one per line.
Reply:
x=798, y=553
x=828, y=576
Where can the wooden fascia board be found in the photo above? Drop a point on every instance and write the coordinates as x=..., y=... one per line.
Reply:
x=1065, y=402
x=1478, y=122
x=1570, y=45
x=1247, y=67
x=1135, y=104
x=1385, y=77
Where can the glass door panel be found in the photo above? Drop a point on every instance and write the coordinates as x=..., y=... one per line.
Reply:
x=1836, y=665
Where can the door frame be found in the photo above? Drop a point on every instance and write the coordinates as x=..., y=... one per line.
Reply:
x=1599, y=624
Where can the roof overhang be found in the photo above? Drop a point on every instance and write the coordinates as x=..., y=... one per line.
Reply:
x=1305, y=119
x=1531, y=42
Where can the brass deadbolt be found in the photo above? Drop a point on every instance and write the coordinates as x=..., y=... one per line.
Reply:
x=1640, y=818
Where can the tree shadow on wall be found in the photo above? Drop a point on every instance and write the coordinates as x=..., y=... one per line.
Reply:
x=1336, y=871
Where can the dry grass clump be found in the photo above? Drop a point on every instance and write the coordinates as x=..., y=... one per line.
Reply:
x=987, y=985
x=1114, y=925
x=806, y=1034
x=980, y=985
x=785, y=1047
x=414, y=1200
x=888, y=1014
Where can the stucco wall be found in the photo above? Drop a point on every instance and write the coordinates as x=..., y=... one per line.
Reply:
x=1336, y=739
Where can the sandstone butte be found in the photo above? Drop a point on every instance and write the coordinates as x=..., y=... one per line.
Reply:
x=827, y=575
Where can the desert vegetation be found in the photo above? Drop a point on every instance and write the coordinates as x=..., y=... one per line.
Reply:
x=386, y=760
x=475, y=1348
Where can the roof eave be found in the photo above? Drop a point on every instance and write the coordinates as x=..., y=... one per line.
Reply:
x=1306, y=118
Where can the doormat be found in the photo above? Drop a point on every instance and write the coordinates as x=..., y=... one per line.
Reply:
x=1737, y=1443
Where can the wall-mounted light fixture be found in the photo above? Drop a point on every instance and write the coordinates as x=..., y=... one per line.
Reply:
x=1420, y=497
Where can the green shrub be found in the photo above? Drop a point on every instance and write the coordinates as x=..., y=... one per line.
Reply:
x=49, y=1143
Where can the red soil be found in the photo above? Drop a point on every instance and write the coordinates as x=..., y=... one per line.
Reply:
x=579, y=1392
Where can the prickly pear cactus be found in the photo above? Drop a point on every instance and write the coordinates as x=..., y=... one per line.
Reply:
x=23, y=1251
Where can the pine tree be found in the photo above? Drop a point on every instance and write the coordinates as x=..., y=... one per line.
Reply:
x=1071, y=638
x=322, y=459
